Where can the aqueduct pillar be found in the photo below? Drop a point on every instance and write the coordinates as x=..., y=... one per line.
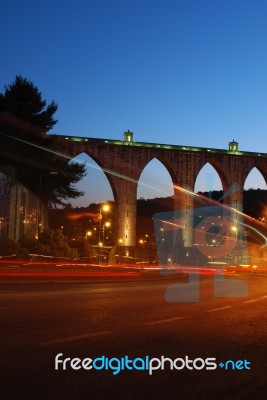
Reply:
x=125, y=191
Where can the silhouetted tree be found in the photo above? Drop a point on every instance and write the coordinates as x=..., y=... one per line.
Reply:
x=23, y=105
x=25, y=119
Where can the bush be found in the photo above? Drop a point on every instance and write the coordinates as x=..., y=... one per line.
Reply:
x=10, y=248
x=50, y=243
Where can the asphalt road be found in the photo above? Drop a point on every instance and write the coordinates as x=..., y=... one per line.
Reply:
x=118, y=317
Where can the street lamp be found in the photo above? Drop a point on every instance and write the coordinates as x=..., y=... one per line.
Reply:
x=88, y=234
x=105, y=208
x=142, y=242
x=105, y=225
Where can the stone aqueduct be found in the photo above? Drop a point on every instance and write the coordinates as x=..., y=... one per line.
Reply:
x=124, y=160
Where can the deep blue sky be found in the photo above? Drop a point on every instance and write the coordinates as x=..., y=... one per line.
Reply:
x=190, y=72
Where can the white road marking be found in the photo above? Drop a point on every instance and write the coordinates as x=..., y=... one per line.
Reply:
x=163, y=321
x=254, y=300
x=74, y=338
x=220, y=308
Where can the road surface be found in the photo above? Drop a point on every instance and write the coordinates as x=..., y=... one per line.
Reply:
x=118, y=317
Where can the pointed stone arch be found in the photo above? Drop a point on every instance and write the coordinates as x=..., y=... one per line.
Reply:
x=212, y=167
x=211, y=181
x=153, y=178
x=96, y=179
x=256, y=179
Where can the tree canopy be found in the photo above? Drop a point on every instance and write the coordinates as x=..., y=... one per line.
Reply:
x=23, y=102
x=25, y=120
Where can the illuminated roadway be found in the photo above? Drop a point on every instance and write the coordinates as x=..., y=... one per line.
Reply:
x=119, y=316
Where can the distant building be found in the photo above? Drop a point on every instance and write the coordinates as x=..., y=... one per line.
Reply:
x=21, y=212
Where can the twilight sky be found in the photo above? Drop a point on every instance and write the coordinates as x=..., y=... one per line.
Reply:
x=186, y=72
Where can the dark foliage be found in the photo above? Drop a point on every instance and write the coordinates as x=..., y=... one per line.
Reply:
x=25, y=119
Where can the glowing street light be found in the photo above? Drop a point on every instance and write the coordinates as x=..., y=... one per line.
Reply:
x=88, y=235
x=142, y=242
x=105, y=208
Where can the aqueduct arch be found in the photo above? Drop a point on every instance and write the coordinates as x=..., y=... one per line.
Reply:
x=124, y=160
